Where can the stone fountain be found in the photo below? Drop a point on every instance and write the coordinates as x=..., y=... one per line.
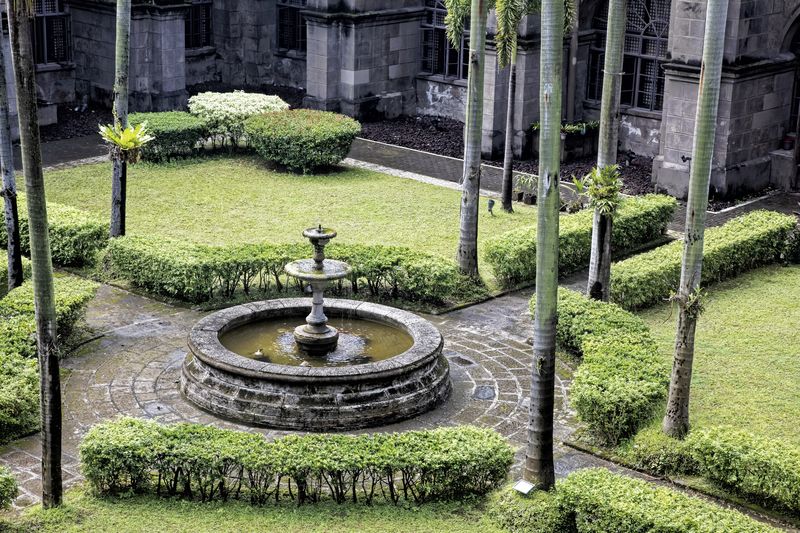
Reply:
x=315, y=336
x=314, y=364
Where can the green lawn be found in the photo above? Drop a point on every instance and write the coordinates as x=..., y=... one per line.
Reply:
x=236, y=199
x=149, y=514
x=747, y=355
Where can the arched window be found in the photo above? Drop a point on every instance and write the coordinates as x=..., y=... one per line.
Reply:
x=646, y=34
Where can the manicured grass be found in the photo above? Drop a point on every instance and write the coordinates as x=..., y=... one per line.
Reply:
x=83, y=512
x=747, y=354
x=236, y=199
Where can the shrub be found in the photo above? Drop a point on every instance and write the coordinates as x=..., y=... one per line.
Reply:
x=209, y=463
x=602, y=501
x=539, y=512
x=8, y=488
x=176, y=134
x=302, y=139
x=19, y=379
x=226, y=113
x=196, y=272
x=741, y=244
x=72, y=295
x=75, y=235
x=653, y=451
x=765, y=470
x=637, y=221
x=622, y=379
x=26, y=271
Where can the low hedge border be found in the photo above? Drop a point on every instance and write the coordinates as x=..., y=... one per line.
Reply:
x=8, y=488
x=638, y=221
x=75, y=235
x=598, y=501
x=198, y=273
x=752, y=240
x=176, y=134
x=19, y=379
x=622, y=379
x=208, y=463
x=26, y=271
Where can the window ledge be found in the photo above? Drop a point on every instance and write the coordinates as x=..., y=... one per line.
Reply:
x=201, y=51
x=53, y=67
x=438, y=78
x=290, y=54
x=626, y=110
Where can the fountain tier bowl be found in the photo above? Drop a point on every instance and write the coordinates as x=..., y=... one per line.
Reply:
x=315, y=398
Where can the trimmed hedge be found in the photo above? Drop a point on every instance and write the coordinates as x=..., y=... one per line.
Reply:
x=598, y=501
x=26, y=271
x=19, y=379
x=760, y=469
x=75, y=235
x=752, y=240
x=177, y=134
x=638, y=221
x=622, y=379
x=8, y=488
x=302, y=139
x=197, y=272
x=208, y=463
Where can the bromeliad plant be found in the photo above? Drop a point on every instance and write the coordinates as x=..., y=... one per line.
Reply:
x=126, y=143
x=603, y=189
x=603, y=186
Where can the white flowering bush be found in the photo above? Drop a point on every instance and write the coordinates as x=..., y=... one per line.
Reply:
x=225, y=113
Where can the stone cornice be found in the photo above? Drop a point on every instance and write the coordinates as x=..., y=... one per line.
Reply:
x=743, y=70
x=384, y=16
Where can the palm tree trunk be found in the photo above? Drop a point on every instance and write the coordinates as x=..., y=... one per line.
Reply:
x=600, y=262
x=508, y=155
x=467, y=254
x=9, y=191
x=539, y=468
x=120, y=172
x=676, y=420
x=20, y=21
x=572, y=69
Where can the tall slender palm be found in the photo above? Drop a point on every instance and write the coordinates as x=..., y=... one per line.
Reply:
x=9, y=190
x=20, y=22
x=539, y=468
x=508, y=149
x=676, y=420
x=119, y=180
x=600, y=262
x=572, y=68
x=467, y=253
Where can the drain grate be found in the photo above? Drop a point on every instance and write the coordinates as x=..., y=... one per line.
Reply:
x=484, y=392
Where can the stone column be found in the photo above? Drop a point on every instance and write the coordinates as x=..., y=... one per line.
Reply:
x=363, y=56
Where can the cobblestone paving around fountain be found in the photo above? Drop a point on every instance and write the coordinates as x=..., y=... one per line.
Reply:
x=132, y=367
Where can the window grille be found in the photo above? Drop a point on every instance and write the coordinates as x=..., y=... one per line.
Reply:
x=198, y=29
x=438, y=55
x=645, y=49
x=52, y=34
x=291, y=26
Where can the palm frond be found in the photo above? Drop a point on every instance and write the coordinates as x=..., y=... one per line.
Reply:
x=508, y=13
x=458, y=12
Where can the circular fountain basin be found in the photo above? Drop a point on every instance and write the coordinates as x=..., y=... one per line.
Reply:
x=344, y=391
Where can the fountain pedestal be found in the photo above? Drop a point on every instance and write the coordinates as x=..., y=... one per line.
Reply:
x=316, y=337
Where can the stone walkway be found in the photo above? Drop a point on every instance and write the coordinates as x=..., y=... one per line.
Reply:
x=132, y=366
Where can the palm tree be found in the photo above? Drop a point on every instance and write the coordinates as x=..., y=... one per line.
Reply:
x=600, y=263
x=467, y=253
x=508, y=149
x=20, y=22
x=676, y=420
x=120, y=173
x=9, y=190
x=539, y=468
